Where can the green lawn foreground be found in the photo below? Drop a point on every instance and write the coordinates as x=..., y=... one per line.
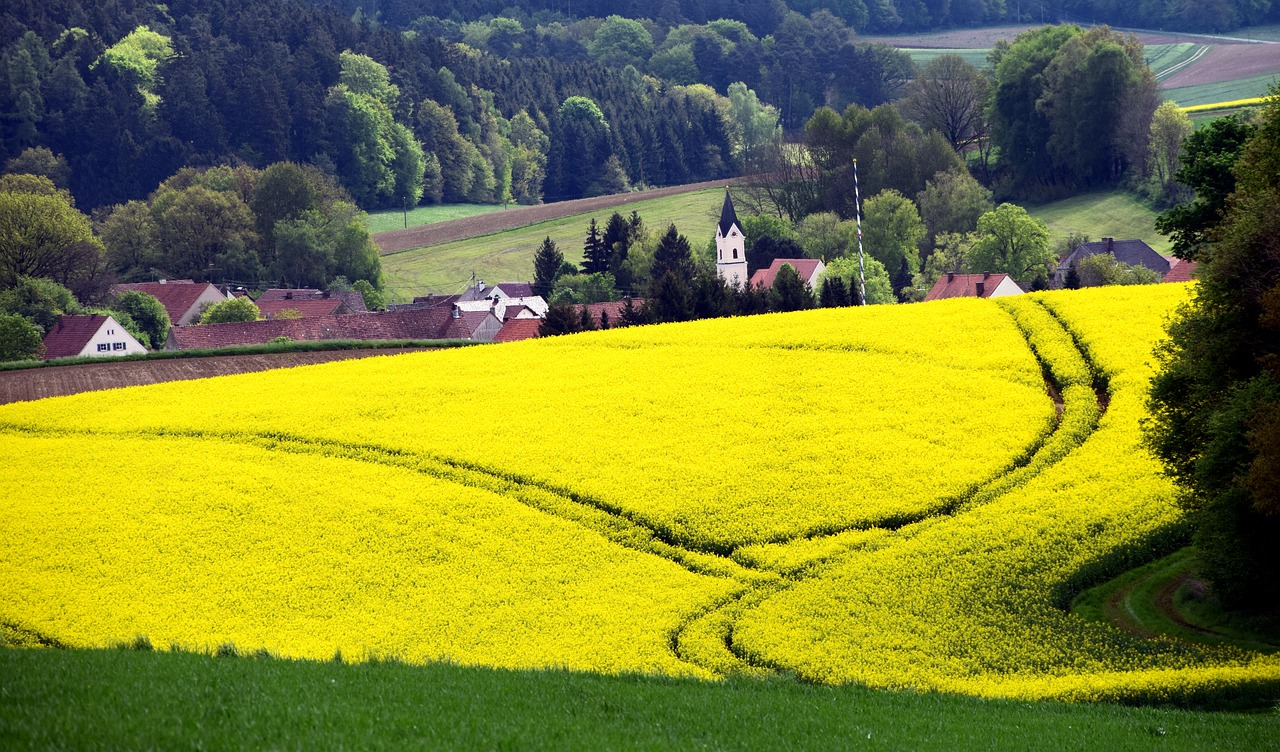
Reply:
x=394, y=219
x=508, y=256
x=1100, y=214
x=124, y=699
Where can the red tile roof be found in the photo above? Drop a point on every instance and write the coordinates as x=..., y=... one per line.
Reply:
x=69, y=336
x=516, y=289
x=307, y=308
x=436, y=323
x=353, y=298
x=514, y=330
x=614, y=309
x=177, y=296
x=1180, y=271
x=965, y=286
x=765, y=277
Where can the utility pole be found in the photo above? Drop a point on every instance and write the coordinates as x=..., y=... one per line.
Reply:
x=857, y=213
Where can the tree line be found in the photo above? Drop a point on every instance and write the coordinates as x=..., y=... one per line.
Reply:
x=131, y=96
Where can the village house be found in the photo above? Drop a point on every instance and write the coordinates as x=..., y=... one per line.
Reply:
x=1131, y=252
x=985, y=285
x=183, y=299
x=94, y=336
x=810, y=271
x=347, y=301
x=431, y=324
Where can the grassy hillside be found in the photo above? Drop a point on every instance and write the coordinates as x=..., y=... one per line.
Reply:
x=508, y=256
x=1101, y=214
x=52, y=699
x=922, y=56
x=394, y=219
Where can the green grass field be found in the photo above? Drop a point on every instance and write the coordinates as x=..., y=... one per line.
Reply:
x=1226, y=91
x=922, y=55
x=1102, y=214
x=1161, y=58
x=394, y=219
x=124, y=699
x=508, y=256
x=1134, y=599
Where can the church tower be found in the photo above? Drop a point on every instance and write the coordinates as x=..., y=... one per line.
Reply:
x=731, y=254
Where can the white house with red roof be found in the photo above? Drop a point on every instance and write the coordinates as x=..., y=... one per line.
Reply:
x=94, y=336
x=985, y=285
x=731, y=253
x=810, y=270
x=183, y=299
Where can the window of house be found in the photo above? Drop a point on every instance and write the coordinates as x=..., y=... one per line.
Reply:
x=735, y=253
x=117, y=345
x=104, y=347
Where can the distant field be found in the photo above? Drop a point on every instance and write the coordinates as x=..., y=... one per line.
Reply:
x=385, y=221
x=924, y=55
x=1224, y=91
x=508, y=256
x=1102, y=214
x=1166, y=59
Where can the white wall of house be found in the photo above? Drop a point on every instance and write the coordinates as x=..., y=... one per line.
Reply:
x=111, y=340
x=499, y=306
x=206, y=299
x=1006, y=287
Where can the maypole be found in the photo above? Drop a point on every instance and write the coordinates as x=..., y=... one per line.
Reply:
x=857, y=209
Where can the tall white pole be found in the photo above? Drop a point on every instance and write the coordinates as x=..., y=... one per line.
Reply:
x=857, y=209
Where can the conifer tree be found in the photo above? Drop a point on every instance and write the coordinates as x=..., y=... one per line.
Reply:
x=789, y=292
x=595, y=255
x=546, y=267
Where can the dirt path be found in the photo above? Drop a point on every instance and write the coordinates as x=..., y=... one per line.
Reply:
x=436, y=233
x=38, y=383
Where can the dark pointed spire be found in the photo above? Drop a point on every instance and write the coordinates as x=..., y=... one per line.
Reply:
x=728, y=217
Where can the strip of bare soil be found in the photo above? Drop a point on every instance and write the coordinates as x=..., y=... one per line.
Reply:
x=38, y=383
x=1227, y=62
x=395, y=241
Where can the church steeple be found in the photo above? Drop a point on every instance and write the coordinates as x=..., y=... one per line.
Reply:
x=728, y=217
x=731, y=255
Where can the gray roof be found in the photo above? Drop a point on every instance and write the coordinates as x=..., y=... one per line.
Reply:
x=1131, y=252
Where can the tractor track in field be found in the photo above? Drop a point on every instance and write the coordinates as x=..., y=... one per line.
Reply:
x=413, y=238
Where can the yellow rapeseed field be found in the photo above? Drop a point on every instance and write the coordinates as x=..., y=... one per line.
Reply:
x=885, y=495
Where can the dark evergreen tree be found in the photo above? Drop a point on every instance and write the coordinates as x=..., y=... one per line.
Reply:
x=595, y=255
x=834, y=293
x=902, y=280
x=547, y=263
x=673, y=256
x=1072, y=280
x=789, y=292
x=561, y=318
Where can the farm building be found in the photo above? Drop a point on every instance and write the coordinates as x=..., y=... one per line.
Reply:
x=1131, y=252
x=183, y=299
x=985, y=285
x=437, y=323
x=810, y=270
x=95, y=336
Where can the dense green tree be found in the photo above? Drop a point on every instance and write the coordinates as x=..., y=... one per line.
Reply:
x=283, y=191
x=19, y=339
x=1216, y=402
x=789, y=292
x=231, y=311
x=825, y=236
x=1103, y=269
x=45, y=236
x=128, y=233
x=892, y=231
x=39, y=160
x=373, y=299
x=561, y=318
x=1013, y=242
x=879, y=286
x=834, y=293
x=39, y=300
x=1208, y=161
x=1170, y=127
x=584, y=288
x=952, y=202
x=672, y=256
x=621, y=41
x=199, y=229
x=147, y=312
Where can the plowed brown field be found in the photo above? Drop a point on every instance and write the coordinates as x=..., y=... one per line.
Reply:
x=1227, y=62
x=448, y=231
x=37, y=383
